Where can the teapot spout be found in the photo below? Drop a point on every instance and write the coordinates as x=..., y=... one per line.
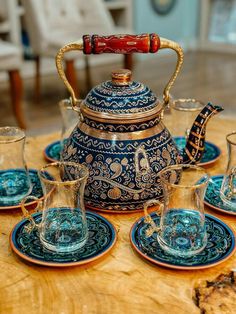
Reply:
x=194, y=148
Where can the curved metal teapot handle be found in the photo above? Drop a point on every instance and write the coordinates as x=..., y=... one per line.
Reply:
x=122, y=44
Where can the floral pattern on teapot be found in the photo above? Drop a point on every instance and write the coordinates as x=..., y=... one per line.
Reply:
x=123, y=175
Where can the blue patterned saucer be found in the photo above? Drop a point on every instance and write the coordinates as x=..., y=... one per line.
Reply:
x=36, y=191
x=211, y=153
x=52, y=151
x=102, y=237
x=220, y=246
x=213, y=200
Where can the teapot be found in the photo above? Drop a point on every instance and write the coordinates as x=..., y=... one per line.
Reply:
x=120, y=135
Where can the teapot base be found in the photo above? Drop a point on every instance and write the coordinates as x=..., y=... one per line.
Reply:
x=120, y=210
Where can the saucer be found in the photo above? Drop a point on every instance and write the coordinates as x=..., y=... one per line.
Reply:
x=52, y=151
x=36, y=191
x=213, y=200
x=102, y=237
x=211, y=153
x=220, y=246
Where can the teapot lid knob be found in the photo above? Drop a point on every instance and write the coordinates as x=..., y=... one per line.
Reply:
x=121, y=77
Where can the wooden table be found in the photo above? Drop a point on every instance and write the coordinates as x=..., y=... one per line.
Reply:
x=121, y=282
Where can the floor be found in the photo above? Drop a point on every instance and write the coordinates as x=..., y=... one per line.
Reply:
x=205, y=76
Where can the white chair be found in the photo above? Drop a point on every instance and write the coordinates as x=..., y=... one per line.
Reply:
x=10, y=61
x=97, y=19
x=11, y=56
x=54, y=23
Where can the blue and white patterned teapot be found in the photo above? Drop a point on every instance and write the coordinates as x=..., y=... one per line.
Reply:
x=120, y=135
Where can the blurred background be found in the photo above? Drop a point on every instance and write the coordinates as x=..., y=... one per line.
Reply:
x=32, y=31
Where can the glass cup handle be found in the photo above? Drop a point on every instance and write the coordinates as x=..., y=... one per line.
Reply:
x=27, y=215
x=232, y=187
x=148, y=219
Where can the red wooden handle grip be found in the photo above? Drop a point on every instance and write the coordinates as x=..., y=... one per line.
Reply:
x=143, y=43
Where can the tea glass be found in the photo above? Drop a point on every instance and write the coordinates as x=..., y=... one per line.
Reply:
x=69, y=117
x=64, y=226
x=228, y=187
x=15, y=182
x=182, y=230
x=184, y=112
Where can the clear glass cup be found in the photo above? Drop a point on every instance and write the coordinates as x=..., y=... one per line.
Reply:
x=182, y=229
x=63, y=227
x=70, y=119
x=228, y=187
x=183, y=114
x=15, y=182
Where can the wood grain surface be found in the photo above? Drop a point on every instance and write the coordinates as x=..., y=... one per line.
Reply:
x=121, y=282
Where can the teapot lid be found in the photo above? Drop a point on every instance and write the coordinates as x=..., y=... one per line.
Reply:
x=120, y=98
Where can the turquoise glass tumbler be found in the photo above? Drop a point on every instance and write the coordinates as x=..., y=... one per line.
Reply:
x=228, y=187
x=182, y=230
x=14, y=177
x=63, y=227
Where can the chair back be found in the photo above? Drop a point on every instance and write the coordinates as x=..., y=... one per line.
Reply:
x=95, y=13
x=50, y=21
x=43, y=17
